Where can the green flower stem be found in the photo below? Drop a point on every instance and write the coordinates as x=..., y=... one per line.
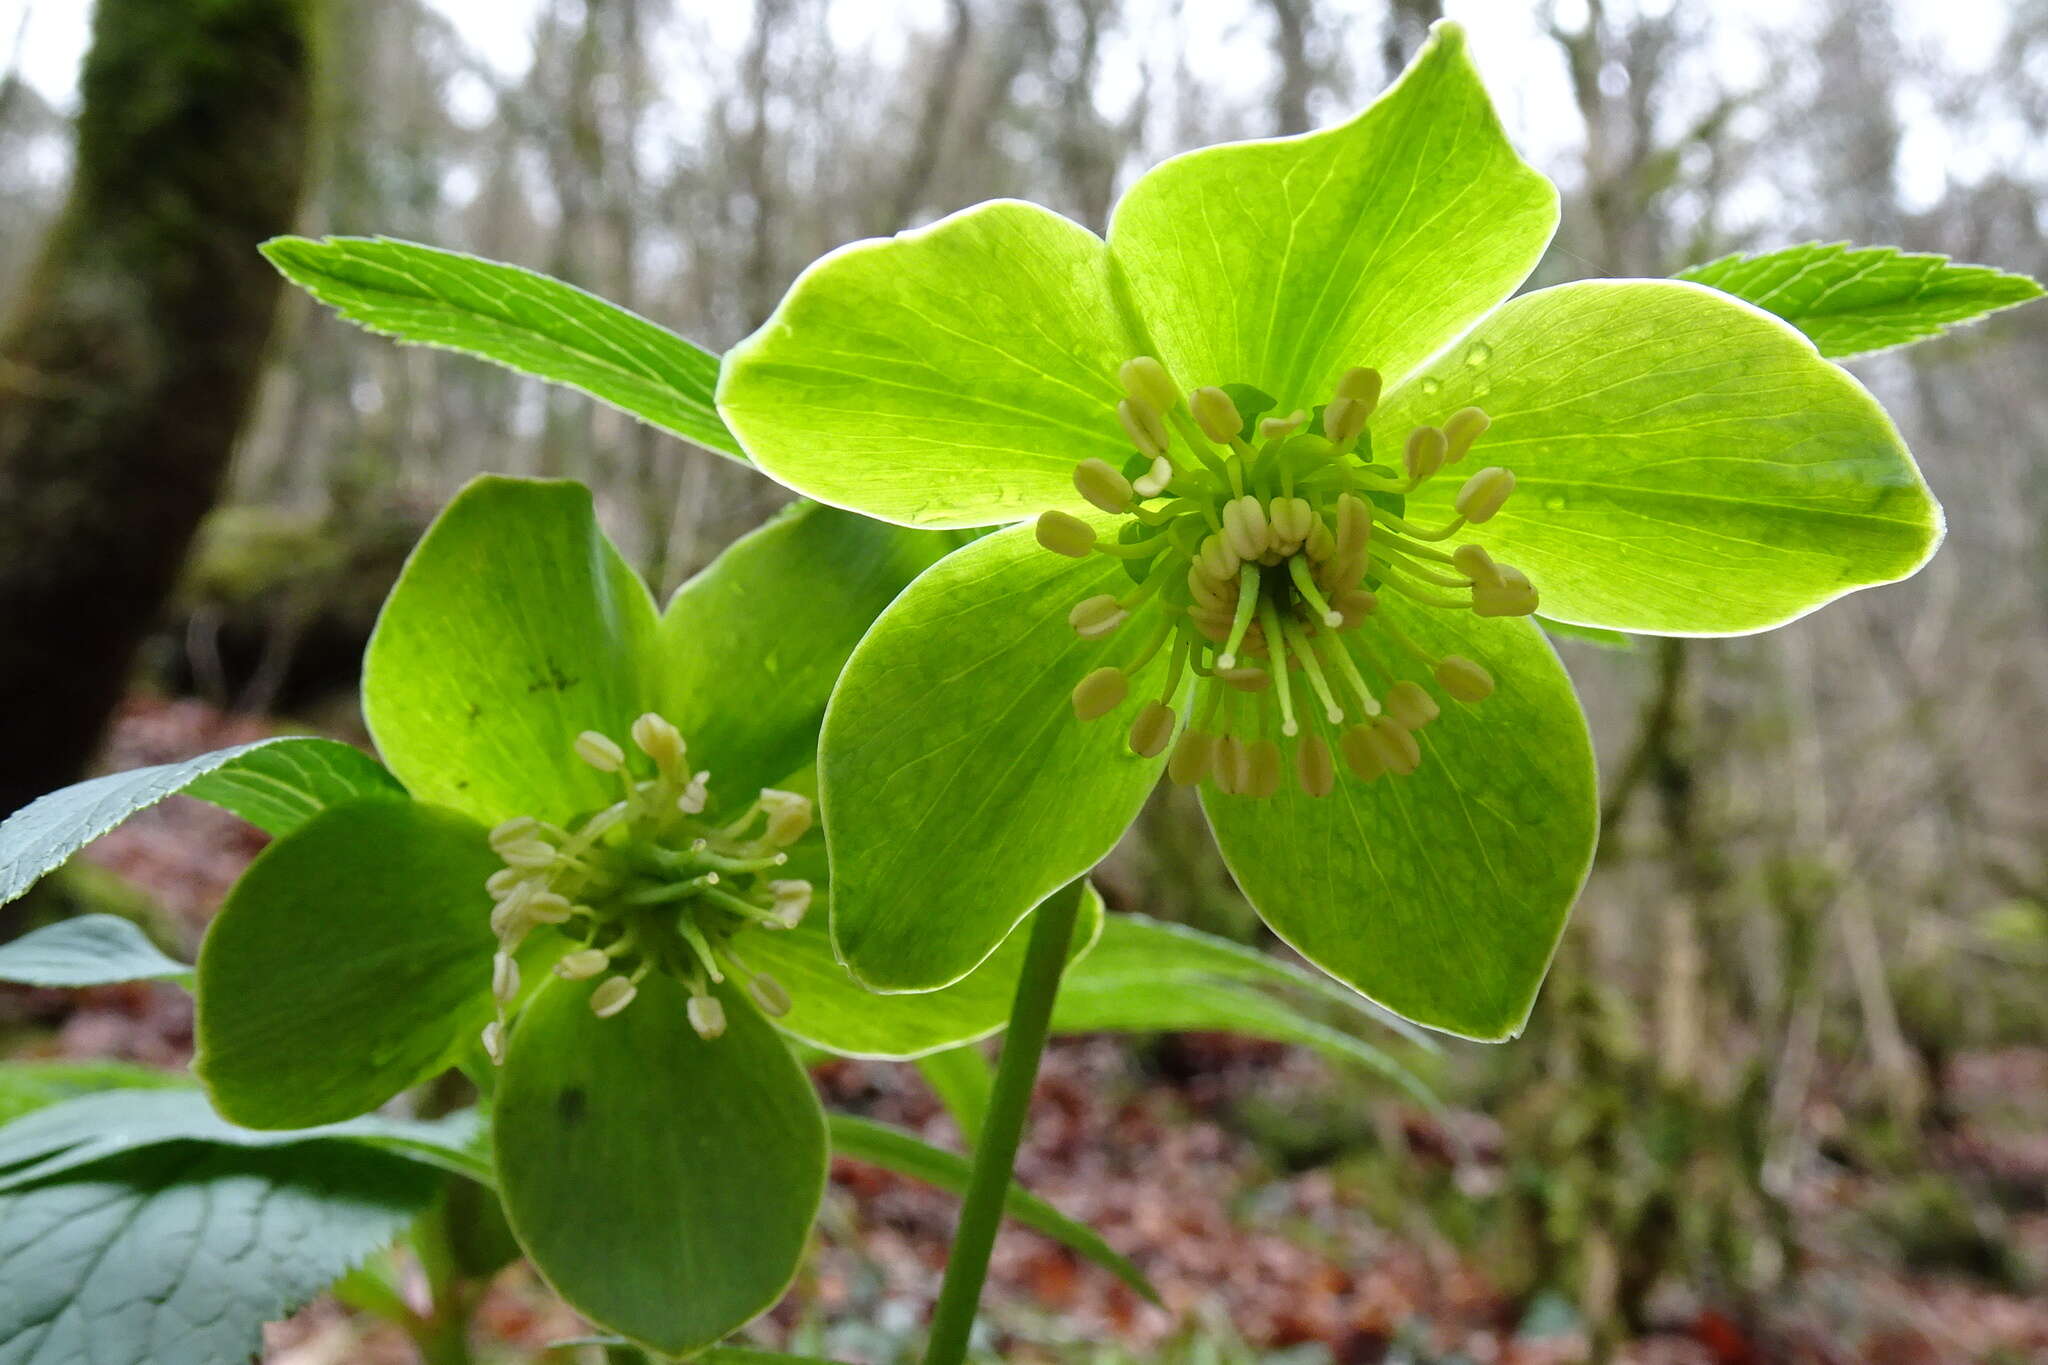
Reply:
x=994, y=1156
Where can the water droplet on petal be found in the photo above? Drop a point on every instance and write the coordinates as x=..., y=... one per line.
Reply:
x=1432, y=384
x=1479, y=354
x=1554, y=502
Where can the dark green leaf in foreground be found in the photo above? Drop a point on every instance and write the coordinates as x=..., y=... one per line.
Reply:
x=898, y=1151
x=518, y=318
x=274, y=784
x=177, y=1254
x=91, y=950
x=1855, y=300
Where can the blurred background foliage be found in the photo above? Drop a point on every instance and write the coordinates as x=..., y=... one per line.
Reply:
x=1784, y=1094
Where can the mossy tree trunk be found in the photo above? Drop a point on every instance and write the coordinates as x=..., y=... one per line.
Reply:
x=131, y=357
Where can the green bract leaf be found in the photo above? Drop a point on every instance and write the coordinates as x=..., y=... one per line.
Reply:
x=1592, y=635
x=1283, y=263
x=895, y=1150
x=750, y=647
x=351, y=960
x=274, y=784
x=520, y=319
x=75, y=1133
x=91, y=950
x=835, y=1012
x=1684, y=464
x=663, y=1183
x=178, y=1254
x=1855, y=300
x=515, y=627
x=950, y=376
x=963, y=1080
x=1440, y=895
x=958, y=789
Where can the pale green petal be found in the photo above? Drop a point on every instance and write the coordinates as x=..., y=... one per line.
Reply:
x=1440, y=895
x=1283, y=263
x=951, y=376
x=1685, y=464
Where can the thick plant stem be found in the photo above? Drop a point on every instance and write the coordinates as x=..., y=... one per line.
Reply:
x=1052, y=929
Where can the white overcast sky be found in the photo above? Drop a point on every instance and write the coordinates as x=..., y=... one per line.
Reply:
x=48, y=37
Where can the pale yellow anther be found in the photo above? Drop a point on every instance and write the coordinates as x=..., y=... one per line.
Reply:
x=1065, y=534
x=582, y=964
x=1231, y=768
x=1291, y=519
x=613, y=994
x=660, y=741
x=509, y=921
x=1360, y=383
x=501, y=883
x=707, y=1016
x=769, y=994
x=1344, y=418
x=549, y=907
x=504, y=977
x=1463, y=680
x=1484, y=493
x=789, y=816
x=1424, y=453
x=1143, y=424
x=1513, y=595
x=1465, y=426
x=1154, y=481
x=600, y=751
x=518, y=830
x=1192, y=757
x=1217, y=559
x=1397, y=749
x=1245, y=528
x=1361, y=755
x=1100, y=693
x=792, y=901
x=1278, y=428
x=1094, y=617
x=1260, y=768
x=1314, y=768
x=1143, y=377
x=1354, y=524
x=1151, y=730
x=1408, y=706
x=531, y=854
x=1211, y=597
x=1355, y=604
x=1216, y=414
x=1477, y=565
x=494, y=1041
x=696, y=794
x=1321, y=544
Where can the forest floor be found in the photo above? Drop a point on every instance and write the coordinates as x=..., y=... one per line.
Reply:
x=1255, y=1262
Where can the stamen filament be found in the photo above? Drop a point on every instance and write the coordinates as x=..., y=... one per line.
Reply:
x=1276, y=659
x=1247, y=603
x=1305, y=583
x=1396, y=577
x=1297, y=637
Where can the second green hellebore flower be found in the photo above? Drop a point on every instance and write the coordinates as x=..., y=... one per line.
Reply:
x=1301, y=474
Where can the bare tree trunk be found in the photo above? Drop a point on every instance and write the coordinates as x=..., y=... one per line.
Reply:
x=129, y=361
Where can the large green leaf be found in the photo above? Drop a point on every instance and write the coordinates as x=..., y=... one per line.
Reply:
x=1440, y=895
x=26, y=1086
x=958, y=789
x=273, y=783
x=520, y=319
x=90, y=950
x=951, y=376
x=664, y=1184
x=515, y=627
x=66, y=1136
x=895, y=1150
x=751, y=646
x=1855, y=300
x=351, y=960
x=1685, y=464
x=1283, y=263
x=1135, y=949
x=177, y=1254
x=833, y=1011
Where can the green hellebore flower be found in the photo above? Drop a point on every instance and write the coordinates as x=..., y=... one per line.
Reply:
x=597, y=868
x=1313, y=613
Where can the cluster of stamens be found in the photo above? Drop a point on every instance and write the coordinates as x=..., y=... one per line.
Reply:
x=647, y=884
x=1259, y=558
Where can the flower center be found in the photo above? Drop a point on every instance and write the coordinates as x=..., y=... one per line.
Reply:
x=646, y=884
x=1259, y=556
